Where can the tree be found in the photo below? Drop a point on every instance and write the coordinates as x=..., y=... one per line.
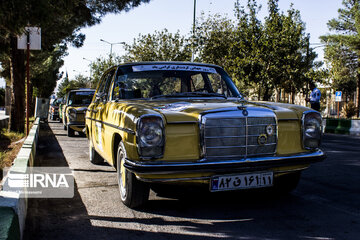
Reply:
x=80, y=81
x=68, y=17
x=100, y=65
x=342, y=49
x=160, y=46
x=261, y=57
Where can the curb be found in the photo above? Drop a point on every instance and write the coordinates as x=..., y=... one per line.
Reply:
x=9, y=224
x=343, y=126
x=12, y=200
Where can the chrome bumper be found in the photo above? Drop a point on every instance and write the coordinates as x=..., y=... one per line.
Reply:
x=223, y=166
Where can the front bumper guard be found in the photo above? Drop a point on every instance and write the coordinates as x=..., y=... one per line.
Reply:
x=224, y=166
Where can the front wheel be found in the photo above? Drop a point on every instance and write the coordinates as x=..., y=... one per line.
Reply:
x=70, y=132
x=133, y=192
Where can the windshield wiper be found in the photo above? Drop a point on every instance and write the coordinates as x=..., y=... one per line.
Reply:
x=206, y=94
x=189, y=94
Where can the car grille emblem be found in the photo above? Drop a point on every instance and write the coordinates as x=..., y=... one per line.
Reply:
x=269, y=130
x=262, y=139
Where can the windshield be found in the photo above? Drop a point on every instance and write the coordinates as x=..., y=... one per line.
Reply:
x=80, y=98
x=159, y=81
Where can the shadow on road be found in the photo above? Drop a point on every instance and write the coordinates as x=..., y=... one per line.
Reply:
x=324, y=206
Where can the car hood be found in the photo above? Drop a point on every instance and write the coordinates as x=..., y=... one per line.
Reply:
x=181, y=111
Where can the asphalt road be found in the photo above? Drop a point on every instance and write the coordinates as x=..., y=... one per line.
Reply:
x=326, y=204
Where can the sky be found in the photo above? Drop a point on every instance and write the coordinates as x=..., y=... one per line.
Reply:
x=178, y=15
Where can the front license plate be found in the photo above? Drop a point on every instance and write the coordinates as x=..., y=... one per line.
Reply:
x=241, y=181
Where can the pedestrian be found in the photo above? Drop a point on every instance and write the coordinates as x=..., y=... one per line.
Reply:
x=315, y=96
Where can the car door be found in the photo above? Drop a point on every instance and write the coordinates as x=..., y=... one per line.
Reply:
x=99, y=114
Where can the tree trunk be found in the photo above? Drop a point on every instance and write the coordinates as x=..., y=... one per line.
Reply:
x=267, y=94
x=17, y=76
x=358, y=95
x=32, y=99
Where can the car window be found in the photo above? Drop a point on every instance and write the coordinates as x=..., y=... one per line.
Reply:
x=80, y=98
x=147, y=84
x=108, y=84
x=105, y=83
x=197, y=83
x=218, y=85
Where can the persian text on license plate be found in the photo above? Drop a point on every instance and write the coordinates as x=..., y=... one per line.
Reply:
x=241, y=181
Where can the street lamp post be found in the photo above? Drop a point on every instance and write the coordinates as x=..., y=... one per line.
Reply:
x=111, y=44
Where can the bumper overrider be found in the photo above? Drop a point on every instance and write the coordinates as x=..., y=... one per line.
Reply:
x=78, y=126
x=224, y=166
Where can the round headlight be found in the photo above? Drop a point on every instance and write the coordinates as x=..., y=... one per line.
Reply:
x=72, y=114
x=312, y=130
x=151, y=134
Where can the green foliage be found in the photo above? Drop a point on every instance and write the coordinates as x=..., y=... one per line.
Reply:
x=45, y=71
x=349, y=110
x=100, y=65
x=60, y=22
x=342, y=49
x=260, y=57
x=160, y=46
x=80, y=81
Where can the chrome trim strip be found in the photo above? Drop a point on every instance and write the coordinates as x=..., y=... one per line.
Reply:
x=288, y=119
x=171, y=179
x=184, y=122
x=112, y=125
x=246, y=136
x=234, y=126
x=156, y=180
x=205, y=162
x=240, y=146
x=240, y=136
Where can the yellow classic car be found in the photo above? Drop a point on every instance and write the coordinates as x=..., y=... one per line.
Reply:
x=181, y=122
x=74, y=110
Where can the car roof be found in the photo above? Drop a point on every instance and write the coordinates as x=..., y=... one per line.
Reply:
x=82, y=90
x=169, y=62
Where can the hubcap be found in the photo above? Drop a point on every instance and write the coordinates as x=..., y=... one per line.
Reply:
x=122, y=174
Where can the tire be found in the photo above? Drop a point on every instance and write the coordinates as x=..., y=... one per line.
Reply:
x=70, y=132
x=133, y=192
x=82, y=134
x=95, y=158
x=287, y=183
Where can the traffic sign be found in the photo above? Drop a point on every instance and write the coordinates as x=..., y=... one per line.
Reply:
x=338, y=95
x=34, y=39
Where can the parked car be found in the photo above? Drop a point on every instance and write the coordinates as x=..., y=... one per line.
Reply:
x=74, y=110
x=54, y=109
x=61, y=106
x=172, y=122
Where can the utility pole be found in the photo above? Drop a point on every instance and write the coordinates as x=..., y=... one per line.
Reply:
x=193, y=37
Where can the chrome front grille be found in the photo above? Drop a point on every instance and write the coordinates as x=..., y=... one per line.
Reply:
x=231, y=135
